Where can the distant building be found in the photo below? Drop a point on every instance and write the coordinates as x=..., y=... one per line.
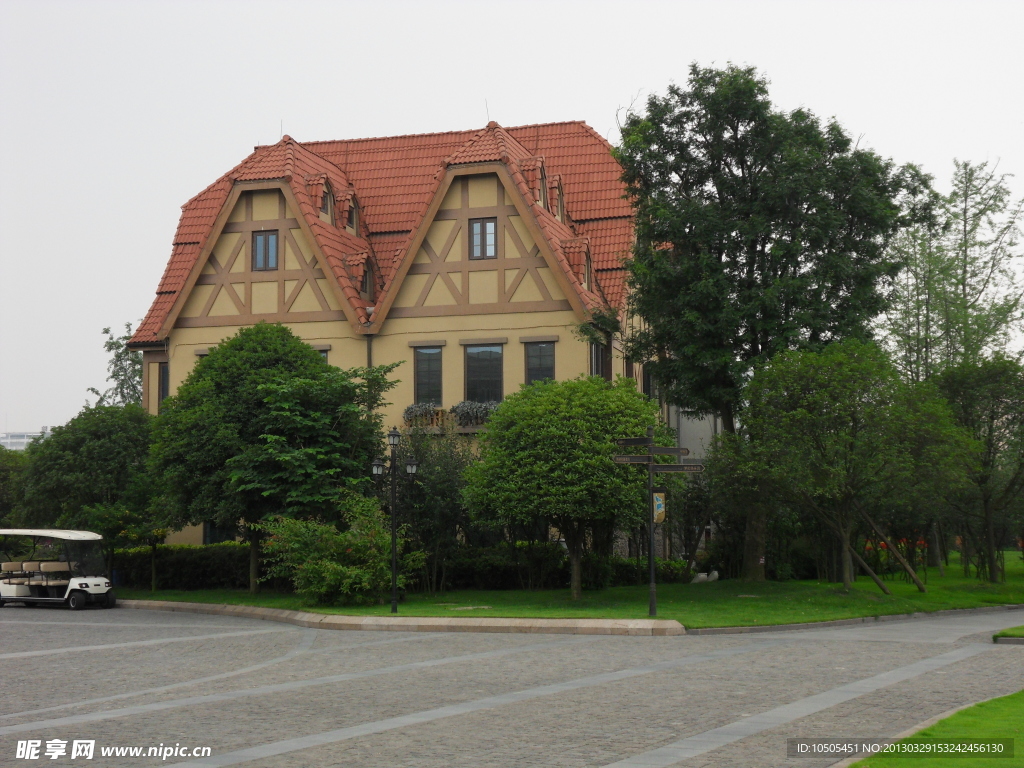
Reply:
x=18, y=441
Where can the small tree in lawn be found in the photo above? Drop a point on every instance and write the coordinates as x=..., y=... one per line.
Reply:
x=547, y=455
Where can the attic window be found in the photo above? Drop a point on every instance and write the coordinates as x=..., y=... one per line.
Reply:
x=483, y=238
x=264, y=250
x=353, y=216
x=327, y=204
x=367, y=287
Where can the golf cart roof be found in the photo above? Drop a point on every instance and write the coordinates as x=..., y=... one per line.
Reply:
x=52, y=533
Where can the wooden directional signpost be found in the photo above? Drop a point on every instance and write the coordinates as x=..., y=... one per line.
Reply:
x=648, y=458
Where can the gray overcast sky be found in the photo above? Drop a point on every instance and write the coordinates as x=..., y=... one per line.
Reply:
x=113, y=114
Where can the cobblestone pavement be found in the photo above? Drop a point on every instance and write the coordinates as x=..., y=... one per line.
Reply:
x=267, y=695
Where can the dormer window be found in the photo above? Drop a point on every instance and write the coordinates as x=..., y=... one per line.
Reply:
x=353, y=217
x=327, y=204
x=367, y=286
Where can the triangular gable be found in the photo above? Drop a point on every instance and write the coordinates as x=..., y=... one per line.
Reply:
x=581, y=301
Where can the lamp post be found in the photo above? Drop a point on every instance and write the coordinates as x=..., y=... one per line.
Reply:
x=394, y=437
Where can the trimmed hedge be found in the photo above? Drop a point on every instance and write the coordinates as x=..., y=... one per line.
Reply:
x=523, y=566
x=185, y=566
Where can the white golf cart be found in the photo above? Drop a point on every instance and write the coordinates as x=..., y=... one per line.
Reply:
x=52, y=567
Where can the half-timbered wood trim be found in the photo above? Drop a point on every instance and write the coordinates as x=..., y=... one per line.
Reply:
x=522, y=209
x=477, y=265
x=277, y=317
x=263, y=276
x=557, y=305
x=259, y=226
x=287, y=200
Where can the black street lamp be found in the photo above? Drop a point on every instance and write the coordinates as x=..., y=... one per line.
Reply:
x=394, y=437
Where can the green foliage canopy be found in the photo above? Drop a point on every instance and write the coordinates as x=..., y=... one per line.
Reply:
x=264, y=426
x=97, y=458
x=839, y=433
x=988, y=401
x=547, y=455
x=12, y=469
x=757, y=231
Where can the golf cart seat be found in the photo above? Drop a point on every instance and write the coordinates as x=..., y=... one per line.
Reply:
x=54, y=572
x=31, y=570
x=11, y=573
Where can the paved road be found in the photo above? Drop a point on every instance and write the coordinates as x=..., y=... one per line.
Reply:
x=266, y=695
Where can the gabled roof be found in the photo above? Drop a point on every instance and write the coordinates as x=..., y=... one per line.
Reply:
x=394, y=180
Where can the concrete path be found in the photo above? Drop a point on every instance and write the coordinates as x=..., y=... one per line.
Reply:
x=269, y=695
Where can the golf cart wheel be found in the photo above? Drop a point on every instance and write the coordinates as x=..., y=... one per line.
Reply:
x=109, y=601
x=76, y=601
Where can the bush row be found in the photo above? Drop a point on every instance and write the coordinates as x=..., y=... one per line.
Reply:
x=185, y=566
x=524, y=566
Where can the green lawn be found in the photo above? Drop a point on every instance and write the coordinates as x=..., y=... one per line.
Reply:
x=718, y=604
x=1011, y=632
x=996, y=719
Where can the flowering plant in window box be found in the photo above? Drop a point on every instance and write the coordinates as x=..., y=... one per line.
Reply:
x=472, y=414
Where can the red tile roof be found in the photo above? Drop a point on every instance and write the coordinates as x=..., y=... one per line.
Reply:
x=395, y=178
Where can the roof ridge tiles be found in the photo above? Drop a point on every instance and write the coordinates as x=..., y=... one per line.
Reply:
x=438, y=133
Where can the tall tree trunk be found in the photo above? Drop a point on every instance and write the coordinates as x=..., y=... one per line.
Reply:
x=935, y=550
x=847, y=562
x=254, y=561
x=574, y=536
x=992, y=555
x=754, y=542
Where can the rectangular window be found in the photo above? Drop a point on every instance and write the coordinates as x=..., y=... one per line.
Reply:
x=264, y=250
x=427, y=374
x=483, y=238
x=540, y=361
x=163, y=390
x=600, y=361
x=483, y=373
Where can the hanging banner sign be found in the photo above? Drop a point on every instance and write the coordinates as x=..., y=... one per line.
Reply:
x=659, y=507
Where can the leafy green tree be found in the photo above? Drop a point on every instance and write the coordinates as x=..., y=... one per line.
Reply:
x=838, y=433
x=988, y=401
x=12, y=469
x=97, y=458
x=263, y=426
x=124, y=371
x=958, y=297
x=547, y=455
x=757, y=231
x=431, y=503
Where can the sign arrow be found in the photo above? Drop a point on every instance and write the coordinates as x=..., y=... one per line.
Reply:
x=631, y=459
x=671, y=451
x=678, y=467
x=624, y=441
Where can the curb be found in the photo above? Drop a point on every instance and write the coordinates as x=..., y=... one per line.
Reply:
x=1008, y=640
x=848, y=761
x=850, y=622
x=632, y=627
